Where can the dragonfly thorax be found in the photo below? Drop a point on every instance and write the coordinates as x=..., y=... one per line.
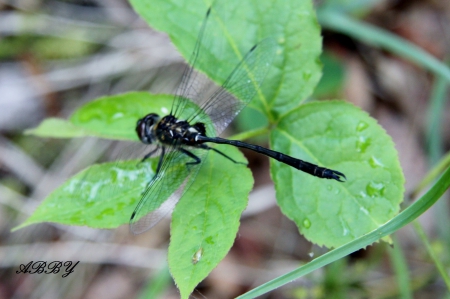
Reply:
x=168, y=130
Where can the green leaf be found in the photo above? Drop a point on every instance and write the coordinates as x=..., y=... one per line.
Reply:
x=57, y=128
x=101, y=196
x=339, y=136
x=206, y=220
x=115, y=116
x=112, y=117
x=291, y=23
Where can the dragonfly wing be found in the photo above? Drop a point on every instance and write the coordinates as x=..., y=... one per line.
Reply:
x=219, y=105
x=239, y=88
x=191, y=87
x=165, y=189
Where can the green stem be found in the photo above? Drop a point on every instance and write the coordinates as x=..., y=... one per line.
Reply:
x=432, y=175
x=437, y=262
x=435, y=148
x=157, y=284
x=400, y=268
x=434, y=118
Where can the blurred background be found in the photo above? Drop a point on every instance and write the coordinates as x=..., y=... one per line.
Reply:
x=57, y=55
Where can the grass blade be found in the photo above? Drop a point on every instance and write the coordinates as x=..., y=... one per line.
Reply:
x=381, y=38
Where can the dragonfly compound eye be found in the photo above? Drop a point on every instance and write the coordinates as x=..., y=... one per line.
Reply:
x=144, y=127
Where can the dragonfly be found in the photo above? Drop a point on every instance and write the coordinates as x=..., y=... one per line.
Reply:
x=183, y=141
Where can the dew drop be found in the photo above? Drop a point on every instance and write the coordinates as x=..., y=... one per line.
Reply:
x=374, y=162
x=307, y=223
x=362, y=144
x=344, y=226
x=345, y=231
x=311, y=254
x=361, y=126
x=117, y=115
x=375, y=189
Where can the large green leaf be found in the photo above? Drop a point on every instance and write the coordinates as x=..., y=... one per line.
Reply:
x=339, y=136
x=112, y=117
x=206, y=220
x=58, y=128
x=235, y=26
x=101, y=196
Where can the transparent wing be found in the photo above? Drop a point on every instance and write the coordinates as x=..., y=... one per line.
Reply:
x=191, y=85
x=165, y=189
x=239, y=88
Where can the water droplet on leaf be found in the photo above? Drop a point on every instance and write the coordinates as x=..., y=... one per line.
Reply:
x=362, y=144
x=361, y=126
x=374, y=162
x=344, y=226
x=307, y=223
x=375, y=189
x=117, y=115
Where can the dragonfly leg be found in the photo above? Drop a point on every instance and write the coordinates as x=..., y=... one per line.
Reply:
x=148, y=155
x=204, y=146
x=189, y=154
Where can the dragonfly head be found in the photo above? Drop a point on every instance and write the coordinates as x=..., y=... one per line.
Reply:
x=144, y=127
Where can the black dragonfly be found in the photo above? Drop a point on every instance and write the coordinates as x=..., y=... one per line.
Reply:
x=184, y=140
